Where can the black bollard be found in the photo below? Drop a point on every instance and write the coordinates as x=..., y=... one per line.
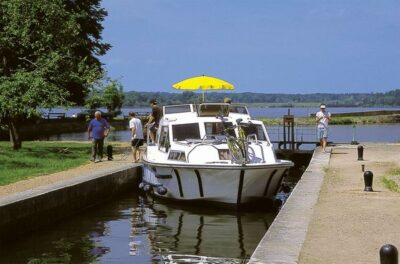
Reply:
x=368, y=178
x=360, y=151
x=362, y=167
x=109, y=152
x=388, y=254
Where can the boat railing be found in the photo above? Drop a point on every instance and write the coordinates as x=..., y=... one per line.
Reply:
x=196, y=146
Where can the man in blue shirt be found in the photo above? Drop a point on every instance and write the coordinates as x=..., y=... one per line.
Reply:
x=99, y=128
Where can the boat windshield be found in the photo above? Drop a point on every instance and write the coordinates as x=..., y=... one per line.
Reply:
x=239, y=109
x=218, y=128
x=254, y=129
x=181, y=132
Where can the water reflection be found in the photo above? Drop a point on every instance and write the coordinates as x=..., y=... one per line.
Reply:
x=176, y=234
x=137, y=229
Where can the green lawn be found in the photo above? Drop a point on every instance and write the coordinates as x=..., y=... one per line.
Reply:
x=39, y=158
x=391, y=179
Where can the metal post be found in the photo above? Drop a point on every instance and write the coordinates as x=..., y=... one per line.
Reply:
x=288, y=123
x=284, y=134
x=354, y=141
x=389, y=254
x=292, y=125
x=360, y=152
x=368, y=178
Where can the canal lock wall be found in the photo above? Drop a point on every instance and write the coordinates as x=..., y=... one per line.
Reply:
x=284, y=239
x=31, y=210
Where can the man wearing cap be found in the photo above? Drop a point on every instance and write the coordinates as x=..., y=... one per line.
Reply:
x=227, y=100
x=323, y=118
x=154, y=119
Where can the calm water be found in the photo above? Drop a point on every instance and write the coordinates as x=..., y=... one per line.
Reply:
x=135, y=229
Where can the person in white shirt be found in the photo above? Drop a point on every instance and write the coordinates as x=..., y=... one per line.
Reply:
x=137, y=139
x=323, y=118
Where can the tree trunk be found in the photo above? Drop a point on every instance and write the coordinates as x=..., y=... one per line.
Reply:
x=14, y=135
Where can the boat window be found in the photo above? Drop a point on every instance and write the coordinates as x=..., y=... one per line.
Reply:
x=238, y=109
x=164, y=139
x=254, y=129
x=185, y=131
x=174, y=109
x=217, y=128
x=213, y=110
x=177, y=155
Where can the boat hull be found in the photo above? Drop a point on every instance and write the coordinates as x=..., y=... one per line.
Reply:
x=229, y=185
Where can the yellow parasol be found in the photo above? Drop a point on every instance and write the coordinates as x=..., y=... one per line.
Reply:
x=204, y=83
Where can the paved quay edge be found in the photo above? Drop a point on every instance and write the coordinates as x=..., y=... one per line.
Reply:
x=285, y=237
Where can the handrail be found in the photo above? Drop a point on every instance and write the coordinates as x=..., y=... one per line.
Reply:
x=200, y=144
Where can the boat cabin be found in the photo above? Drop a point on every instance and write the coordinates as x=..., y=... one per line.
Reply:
x=205, y=123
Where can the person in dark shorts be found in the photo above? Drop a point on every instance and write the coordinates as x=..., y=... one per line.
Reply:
x=135, y=125
x=98, y=129
x=154, y=119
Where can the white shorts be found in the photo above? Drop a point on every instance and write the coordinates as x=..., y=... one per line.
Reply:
x=322, y=132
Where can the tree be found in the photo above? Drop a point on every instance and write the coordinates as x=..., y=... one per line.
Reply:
x=49, y=53
x=113, y=95
x=108, y=93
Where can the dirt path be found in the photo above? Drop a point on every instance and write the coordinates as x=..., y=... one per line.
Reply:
x=63, y=175
x=349, y=225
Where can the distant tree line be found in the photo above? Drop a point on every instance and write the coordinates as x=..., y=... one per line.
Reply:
x=391, y=98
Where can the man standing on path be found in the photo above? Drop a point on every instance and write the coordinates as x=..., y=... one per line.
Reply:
x=154, y=119
x=323, y=118
x=99, y=128
x=135, y=124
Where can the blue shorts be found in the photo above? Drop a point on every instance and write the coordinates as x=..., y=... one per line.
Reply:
x=322, y=132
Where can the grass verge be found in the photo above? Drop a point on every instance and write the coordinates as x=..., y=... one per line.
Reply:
x=391, y=179
x=40, y=158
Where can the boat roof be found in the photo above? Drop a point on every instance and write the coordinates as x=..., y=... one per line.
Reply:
x=206, y=110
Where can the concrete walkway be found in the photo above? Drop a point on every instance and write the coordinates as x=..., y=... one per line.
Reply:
x=329, y=218
x=349, y=225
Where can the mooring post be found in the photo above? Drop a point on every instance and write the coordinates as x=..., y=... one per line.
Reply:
x=360, y=151
x=389, y=254
x=368, y=178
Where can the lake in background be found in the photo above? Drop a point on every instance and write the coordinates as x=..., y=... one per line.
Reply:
x=337, y=133
x=255, y=112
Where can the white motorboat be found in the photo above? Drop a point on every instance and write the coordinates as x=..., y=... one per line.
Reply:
x=212, y=152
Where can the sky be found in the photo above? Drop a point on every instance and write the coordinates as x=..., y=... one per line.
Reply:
x=268, y=46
